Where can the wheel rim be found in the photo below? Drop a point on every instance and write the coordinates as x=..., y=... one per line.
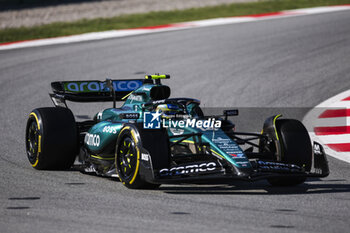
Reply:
x=126, y=158
x=32, y=141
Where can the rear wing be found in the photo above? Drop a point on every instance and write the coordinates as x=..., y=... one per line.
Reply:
x=93, y=90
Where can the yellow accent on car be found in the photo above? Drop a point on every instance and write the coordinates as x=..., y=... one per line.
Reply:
x=39, y=139
x=134, y=136
x=137, y=158
x=99, y=157
x=36, y=163
x=163, y=107
x=138, y=153
x=126, y=127
x=36, y=118
x=188, y=141
x=157, y=76
x=39, y=150
x=39, y=144
x=274, y=124
x=115, y=161
x=127, y=95
x=216, y=153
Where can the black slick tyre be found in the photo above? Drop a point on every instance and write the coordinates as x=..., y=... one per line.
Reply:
x=296, y=149
x=130, y=143
x=51, y=138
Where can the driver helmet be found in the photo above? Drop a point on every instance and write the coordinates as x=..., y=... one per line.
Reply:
x=169, y=110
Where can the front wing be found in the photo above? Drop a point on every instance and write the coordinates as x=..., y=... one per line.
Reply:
x=220, y=171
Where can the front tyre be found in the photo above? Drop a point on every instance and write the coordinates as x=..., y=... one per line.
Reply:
x=127, y=159
x=296, y=149
x=51, y=138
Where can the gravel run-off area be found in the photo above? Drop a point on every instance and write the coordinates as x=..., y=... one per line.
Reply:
x=96, y=9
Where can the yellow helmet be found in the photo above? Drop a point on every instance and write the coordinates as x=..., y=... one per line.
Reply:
x=169, y=110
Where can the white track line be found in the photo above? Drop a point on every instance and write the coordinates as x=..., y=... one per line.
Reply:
x=171, y=27
x=331, y=122
x=335, y=139
x=311, y=120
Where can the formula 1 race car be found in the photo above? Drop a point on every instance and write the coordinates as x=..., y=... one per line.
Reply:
x=153, y=139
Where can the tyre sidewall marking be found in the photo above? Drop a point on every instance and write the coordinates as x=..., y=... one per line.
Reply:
x=134, y=137
x=39, y=138
x=137, y=158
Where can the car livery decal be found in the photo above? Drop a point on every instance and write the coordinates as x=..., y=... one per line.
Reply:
x=97, y=86
x=225, y=145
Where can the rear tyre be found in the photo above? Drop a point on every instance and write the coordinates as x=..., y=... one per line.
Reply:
x=51, y=138
x=127, y=159
x=296, y=149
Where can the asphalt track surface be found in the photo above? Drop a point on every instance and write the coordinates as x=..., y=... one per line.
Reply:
x=290, y=62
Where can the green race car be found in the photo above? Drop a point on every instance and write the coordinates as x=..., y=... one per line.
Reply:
x=153, y=139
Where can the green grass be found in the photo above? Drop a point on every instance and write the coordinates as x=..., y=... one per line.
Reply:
x=157, y=18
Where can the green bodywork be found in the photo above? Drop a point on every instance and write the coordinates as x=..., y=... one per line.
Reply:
x=104, y=134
